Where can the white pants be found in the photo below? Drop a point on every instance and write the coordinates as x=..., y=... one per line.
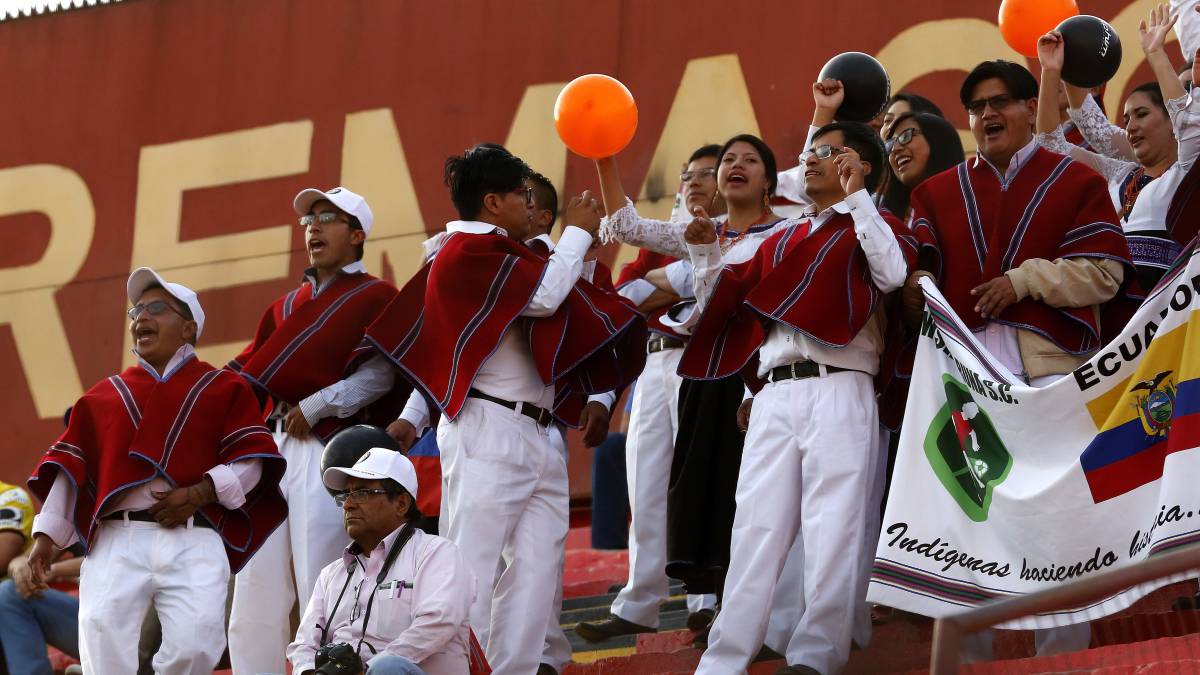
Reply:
x=649, y=449
x=556, y=651
x=312, y=537
x=183, y=571
x=807, y=470
x=505, y=484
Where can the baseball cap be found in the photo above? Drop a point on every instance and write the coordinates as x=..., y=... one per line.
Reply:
x=144, y=277
x=375, y=464
x=350, y=202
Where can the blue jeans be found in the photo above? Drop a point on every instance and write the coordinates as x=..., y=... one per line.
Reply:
x=27, y=626
x=610, y=495
x=393, y=665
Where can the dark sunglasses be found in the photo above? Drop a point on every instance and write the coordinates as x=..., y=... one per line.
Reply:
x=357, y=495
x=322, y=218
x=996, y=103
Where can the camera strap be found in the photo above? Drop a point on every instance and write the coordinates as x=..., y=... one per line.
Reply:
x=401, y=540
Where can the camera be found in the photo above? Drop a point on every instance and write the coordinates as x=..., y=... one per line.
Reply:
x=338, y=658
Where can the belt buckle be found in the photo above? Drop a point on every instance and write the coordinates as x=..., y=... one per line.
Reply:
x=795, y=372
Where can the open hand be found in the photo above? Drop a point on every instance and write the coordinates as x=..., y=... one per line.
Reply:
x=1154, y=31
x=994, y=296
x=701, y=230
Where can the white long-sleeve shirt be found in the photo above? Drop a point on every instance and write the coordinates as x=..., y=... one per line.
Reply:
x=420, y=612
x=372, y=379
x=510, y=372
x=785, y=345
x=231, y=481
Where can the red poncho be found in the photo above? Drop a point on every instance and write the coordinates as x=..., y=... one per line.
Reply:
x=977, y=229
x=450, y=317
x=819, y=285
x=130, y=428
x=304, y=344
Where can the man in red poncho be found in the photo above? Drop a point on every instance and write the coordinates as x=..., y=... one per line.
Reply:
x=169, y=478
x=507, y=343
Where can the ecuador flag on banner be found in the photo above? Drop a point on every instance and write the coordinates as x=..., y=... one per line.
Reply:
x=1002, y=489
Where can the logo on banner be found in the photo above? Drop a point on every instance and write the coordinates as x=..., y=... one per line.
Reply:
x=1155, y=403
x=965, y=452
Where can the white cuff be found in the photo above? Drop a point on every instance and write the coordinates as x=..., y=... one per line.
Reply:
x=574, y=240
x=606, y=399
x=636, y=291
x=60, y=530
x=314, y=408
x=680, y=276
x=227, y=486
x=418, y=417
x=702, y=255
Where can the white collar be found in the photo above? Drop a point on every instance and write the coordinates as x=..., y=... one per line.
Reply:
x=310, y=274
x=1014, y=165
x=352, y=551
x=180, y=357
x=819, y=219
x=544, y=238
x=474, y=227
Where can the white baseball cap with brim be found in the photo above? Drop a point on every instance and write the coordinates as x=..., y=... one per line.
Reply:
x=144, y=277
x=350, y=202
x=375, y=464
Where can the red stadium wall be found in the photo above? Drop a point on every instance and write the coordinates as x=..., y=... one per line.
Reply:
x=174, y=133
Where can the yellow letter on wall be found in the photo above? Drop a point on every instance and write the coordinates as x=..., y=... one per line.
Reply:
x=166, y=171
x=27, y=292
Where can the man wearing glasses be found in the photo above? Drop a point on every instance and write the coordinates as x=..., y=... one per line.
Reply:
x=1026, y=246
x=808, y=305
x=507, y=343
x=398, y=597
x=167, y=475
x=307, y=363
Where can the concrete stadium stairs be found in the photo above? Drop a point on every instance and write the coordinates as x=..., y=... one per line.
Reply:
x=1147, y=639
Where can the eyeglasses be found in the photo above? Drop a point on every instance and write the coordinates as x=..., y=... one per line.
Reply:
x=528, y=194
x=996, y=103
x=322, y=218
x=687, y=176
x=820, y=152
x=357, y=495
x=155, y=308
x=901, y=139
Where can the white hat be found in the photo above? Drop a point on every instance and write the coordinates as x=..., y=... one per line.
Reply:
x=375, y=464
x=348, y=201
x=144, y=277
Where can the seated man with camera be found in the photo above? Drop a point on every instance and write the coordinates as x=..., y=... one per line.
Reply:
x=398, y=601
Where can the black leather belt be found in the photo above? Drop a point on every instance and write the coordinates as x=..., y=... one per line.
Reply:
x=660, y=343
x=539, y=415
x=144, y=516
x=801, y=370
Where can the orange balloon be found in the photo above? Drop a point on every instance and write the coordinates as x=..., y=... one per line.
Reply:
x=1022, y=22
x=595, y=116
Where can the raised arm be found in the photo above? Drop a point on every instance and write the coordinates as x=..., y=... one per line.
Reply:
x=1153, y=32
x=1105, y=137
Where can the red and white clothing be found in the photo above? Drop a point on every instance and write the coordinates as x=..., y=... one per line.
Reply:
x=140, y=431
x=490, y=315
x=812, y=448
x=420, y=611
x=307, y=352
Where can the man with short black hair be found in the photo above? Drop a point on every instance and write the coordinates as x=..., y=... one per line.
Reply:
x=167, y=475
x=506, y=343
x=807, y=306
x=308, y=364
x=1026, y=247
x=412, y=591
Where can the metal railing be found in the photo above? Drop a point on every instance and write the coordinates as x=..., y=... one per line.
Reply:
x=949, y=631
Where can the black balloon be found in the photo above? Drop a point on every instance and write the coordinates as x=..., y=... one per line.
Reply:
x=349, y=444
x=1091, y=51
x=865, y=83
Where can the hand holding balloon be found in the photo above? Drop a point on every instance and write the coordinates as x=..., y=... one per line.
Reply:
x=1050, y=51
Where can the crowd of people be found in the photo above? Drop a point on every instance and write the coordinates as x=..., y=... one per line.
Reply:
x=768, y=325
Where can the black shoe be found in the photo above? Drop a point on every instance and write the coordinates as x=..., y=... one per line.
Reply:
x=616, y=588
x=767, y=654
x=613, y=626
x=698, y=621
x=797, y=670
x=546, y=669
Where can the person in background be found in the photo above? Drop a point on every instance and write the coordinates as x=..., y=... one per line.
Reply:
x=905, y=103
x=919, y=145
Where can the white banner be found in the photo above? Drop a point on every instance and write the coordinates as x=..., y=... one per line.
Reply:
x=1002, y=489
